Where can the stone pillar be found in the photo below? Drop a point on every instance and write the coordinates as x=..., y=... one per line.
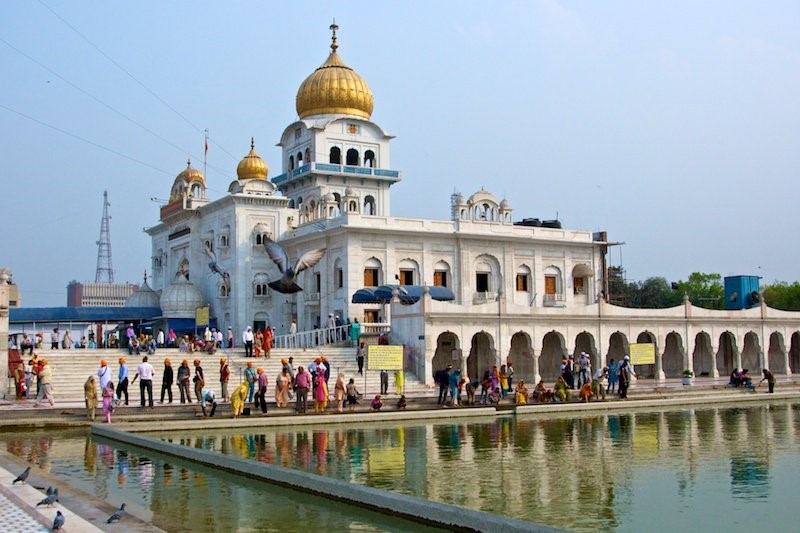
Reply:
x=659, y=370
x=714, y=349
x=7, y=389
x=536, y=376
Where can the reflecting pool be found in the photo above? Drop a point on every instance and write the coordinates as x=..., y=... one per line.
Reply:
x=696, y=469
x=701, y=469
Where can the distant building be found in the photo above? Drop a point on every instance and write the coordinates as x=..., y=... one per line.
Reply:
x=99, y=294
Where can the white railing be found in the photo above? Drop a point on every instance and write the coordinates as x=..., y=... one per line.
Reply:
x=484, y=297
x=553, y=299
x=321, y=337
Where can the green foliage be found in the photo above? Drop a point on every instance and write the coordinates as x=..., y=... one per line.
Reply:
x=782, y=295
x=704, y=290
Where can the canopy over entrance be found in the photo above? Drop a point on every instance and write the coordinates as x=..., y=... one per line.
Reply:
x=408, y=294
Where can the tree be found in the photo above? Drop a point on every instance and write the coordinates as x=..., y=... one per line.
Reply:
x=704, y=290
x=782, y=295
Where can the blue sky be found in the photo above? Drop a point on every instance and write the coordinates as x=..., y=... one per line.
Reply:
x=674, y=126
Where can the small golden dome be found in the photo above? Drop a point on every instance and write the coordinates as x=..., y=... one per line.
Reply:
x=252, y=167
x=190, y=174
x=334, y=88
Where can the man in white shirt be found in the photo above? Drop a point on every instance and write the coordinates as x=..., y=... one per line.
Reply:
x=145, y=373
x=247, y=339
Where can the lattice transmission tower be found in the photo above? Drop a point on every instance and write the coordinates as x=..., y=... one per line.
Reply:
x=104, y=273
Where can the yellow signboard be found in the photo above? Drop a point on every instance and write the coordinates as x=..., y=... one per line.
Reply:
x=385, y=357
x=201, y=316
x=643, y=354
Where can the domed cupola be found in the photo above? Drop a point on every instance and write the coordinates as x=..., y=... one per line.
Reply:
x=181, y=298
x=144, y=297
x=190, y=180
x=334, y=88
x=252, y=167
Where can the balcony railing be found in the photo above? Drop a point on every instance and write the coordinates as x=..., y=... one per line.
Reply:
x=484, y=297
x=552, y=300
x=336, y=169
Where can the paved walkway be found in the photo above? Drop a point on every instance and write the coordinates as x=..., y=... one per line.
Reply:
x=13, y=518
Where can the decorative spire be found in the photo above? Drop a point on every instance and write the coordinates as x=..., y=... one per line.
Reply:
x=252, y=143
x=333, y=28
x=188, y=162
x=145, y=277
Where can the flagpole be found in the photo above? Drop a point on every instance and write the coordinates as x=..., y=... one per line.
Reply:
x=205, y=154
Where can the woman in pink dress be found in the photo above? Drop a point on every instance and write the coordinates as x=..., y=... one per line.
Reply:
x=320, y=393
x=108, y=401
x=269, y=337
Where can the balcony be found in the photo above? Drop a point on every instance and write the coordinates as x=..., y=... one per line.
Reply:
x=554, y=300
x=484, y=297
x=311, y=296
x=390, y=175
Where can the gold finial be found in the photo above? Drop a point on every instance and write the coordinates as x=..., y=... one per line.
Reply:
x=188, y=162
x=252, y=143
x=333, y=28
x=145, y=276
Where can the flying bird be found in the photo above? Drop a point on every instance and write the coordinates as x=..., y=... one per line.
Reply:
x=214, y=266
x=23, y=476
x=286, y=284
x=58, y=521
x=50, y=499
x=51, y=490
x=118, y=514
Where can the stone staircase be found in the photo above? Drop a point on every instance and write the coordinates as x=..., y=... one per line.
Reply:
x=71, y=368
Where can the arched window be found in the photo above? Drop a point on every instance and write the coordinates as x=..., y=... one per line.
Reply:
x=299, y=159
x=553, y=285
x=372, y=272
x=523, y=280
x=441, y=274
x=352, y=157
x=260, y=284
x=307, y=159
x=352, y=207
x=223, y=291
x=223, y=241
x=369, y=159
x=336, y=156
x=291, y=203
x=209, y=243
x=369, y=205
x=291, y=162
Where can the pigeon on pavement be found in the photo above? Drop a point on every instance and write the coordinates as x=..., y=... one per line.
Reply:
x=23, y=476
x=50, y=499
x=118, y=514
x=58, y=521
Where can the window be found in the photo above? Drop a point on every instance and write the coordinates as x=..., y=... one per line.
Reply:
x=352, y=157
x=549, y=284
x=371, y=277
x=369, y=205
x=339, y=278
x=482, y=282
x=406, y=277
x=223, y=241
x=299, y=159
x=369, y=159
x=336, y=156
x=223, y=291
x=522, y=282
x=317, y=282
x=291, y=162
x=261, y=289
x=440, y=278
x=297, y=133
x=307, y=159
x=577, y=285
x=372, y=316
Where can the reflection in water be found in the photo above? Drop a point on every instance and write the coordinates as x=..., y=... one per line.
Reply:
x=680, y=469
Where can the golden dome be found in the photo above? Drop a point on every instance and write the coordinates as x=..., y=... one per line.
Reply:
x=252, y=167
x=190, y=174
x=334, y=88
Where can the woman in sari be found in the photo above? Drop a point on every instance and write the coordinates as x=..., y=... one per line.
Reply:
x=259, y=342
x=561, y=390
x=320, y=393
x=339, y=392
x=282, y=389
x=503, y=380
x=269, y=337
x=521, y=393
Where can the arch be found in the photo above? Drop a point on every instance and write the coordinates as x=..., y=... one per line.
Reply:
x=553, y=285
x=197, y=191
x=335, y=157
x=408, y=272
x=726, y=354
x=291, y=162
x=223, y=291
x=441, y=274
x=369, y=205
x=584, y=342
x=307, y=158
x=646, y=370
x=521, y=355
x=554, y=349
x=751, y=353
x=794, y=353
x=299, y=159
x=369, y=159
x=673, y=356
x=373, y=272
x=447, y=352
x=776, y=354
x=703, y=356
x=487, y=273
x=352, y=157
x=481, y=354
x=617, y=347
x=522, y=282
x=260, y=281
x=291, y=203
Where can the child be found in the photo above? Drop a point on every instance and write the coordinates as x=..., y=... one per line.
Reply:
x=401, y=403
x=494, y=396
x=108, y=399
x=586, y=392
x=352, y=395
x=376, y=403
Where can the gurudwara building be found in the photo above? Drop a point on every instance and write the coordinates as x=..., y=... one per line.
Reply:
x=529, y=292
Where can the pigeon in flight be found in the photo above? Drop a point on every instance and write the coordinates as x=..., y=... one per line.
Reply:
x=50, y=499
x=214, y=266
x=118, y=514
x=58, y=521
x=51, y=490
x=286, y=284
x=23, y=476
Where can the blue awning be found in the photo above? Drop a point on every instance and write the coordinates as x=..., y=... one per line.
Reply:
x=27, y=315
x=408, y=294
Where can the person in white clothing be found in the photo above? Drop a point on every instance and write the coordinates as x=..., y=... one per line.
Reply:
x=145, y=372
x=247, y=339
